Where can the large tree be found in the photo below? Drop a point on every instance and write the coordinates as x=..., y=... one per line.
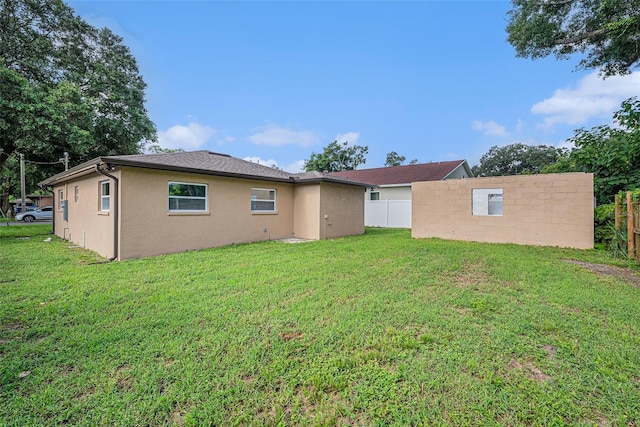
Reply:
x=65, y=86
x=337, y=157
x=608, y=31
x=611, y=153
x=515, y=159
x=394, y=159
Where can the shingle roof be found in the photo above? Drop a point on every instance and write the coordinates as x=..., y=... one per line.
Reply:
x=402, y=174
x=204, y=162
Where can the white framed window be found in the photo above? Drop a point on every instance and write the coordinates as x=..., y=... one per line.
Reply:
x=487, y=201
x=105, y=196
x=76, y=194
x=187, y=197
x=263, y=200
x=374, y=195
x=60, y=199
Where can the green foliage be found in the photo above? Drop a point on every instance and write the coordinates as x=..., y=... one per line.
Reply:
x=611, y=153
x=337, y=157
x=378, y=329
x=607, y=31
x=394, y=159
x=516, y=159
x=64, y=86
x=603, y=220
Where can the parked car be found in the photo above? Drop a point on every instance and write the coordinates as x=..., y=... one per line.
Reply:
x=46, y=213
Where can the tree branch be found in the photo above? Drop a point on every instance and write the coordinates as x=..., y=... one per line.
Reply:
x=582, y=37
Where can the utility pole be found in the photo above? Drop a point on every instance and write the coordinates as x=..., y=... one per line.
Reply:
x=65, y=160
x=22, y=185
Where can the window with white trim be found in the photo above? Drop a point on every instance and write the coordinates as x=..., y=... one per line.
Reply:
x=263, y=200
x=105, y=196
x=374, y=195
x=77, y=194
x=487, y=201
x=60, y=199
x=187, y=197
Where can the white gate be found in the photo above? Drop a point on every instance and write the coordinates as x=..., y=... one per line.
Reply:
x=387, y=213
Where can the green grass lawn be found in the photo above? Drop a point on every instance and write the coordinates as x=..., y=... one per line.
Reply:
x=378, y=329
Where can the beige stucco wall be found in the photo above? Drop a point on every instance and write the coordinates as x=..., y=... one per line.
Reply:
x=87, y=226
x=545, y=210
x=341, y=210
x=147, y=228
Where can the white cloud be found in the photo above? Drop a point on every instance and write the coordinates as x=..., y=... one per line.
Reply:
x=295, y=167
x=350, y=137
x=519, y=125
x=592, y=97
x=261, y=161
x=489, y=128
x=189, y=137
x=226, y=140
x=277, y=136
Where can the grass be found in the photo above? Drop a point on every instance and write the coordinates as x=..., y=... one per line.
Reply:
x=377, y=329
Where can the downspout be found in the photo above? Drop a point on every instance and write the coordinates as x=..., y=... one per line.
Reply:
x=115, y=209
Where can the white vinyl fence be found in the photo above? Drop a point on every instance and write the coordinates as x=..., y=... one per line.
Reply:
x=387, y=213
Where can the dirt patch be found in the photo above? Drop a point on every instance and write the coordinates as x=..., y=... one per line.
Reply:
x=626, y=274
x=286, y=336
x=529, y=368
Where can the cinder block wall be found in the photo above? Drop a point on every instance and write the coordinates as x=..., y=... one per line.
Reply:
x=543, y=210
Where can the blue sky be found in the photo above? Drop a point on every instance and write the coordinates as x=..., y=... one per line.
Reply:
x=274, y=81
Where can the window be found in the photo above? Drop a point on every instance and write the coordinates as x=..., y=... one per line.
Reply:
x=263, y=200
x=77, y=194
x=487, y=201
x=186, y=197
x=105, y=197
x=375, y=195
x=60, y=199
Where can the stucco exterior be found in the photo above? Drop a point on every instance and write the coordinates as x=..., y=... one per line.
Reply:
x=145, y=226
x=543, y=210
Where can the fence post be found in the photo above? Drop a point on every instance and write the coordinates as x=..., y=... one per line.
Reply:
x=631, y=240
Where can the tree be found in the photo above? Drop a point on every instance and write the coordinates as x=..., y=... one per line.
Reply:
x=64, y=86
x=394, y=159
x=611, y=153
x=607, y=30
x=413, y=162
x=337, y=157
x=515, y=159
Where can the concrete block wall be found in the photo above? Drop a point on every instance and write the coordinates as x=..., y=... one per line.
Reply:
x=543, y=210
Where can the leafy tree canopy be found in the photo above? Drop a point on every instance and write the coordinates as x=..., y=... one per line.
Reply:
x=337, y=157
x=394, y=159
x=608, y=31
x=611, y=153
x=515, y=159
x=64, y=86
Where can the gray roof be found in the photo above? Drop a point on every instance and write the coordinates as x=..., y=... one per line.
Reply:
x=202, y=162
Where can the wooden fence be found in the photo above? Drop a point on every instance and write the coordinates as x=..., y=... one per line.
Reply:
x=632, y=216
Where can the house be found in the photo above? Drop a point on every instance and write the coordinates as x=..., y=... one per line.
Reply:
x=389, y=203
x=136, y=206
x=394, y=182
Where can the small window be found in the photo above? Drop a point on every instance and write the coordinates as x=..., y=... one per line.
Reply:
x=187, y=197
x=263, y=200
x=105, y=196
x=76, y=194
x=375, y=195
x=60, y=199
x=487, y=201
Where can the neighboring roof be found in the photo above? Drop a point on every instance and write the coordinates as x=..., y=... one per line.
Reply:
x=202, y=162
x=405, y=174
